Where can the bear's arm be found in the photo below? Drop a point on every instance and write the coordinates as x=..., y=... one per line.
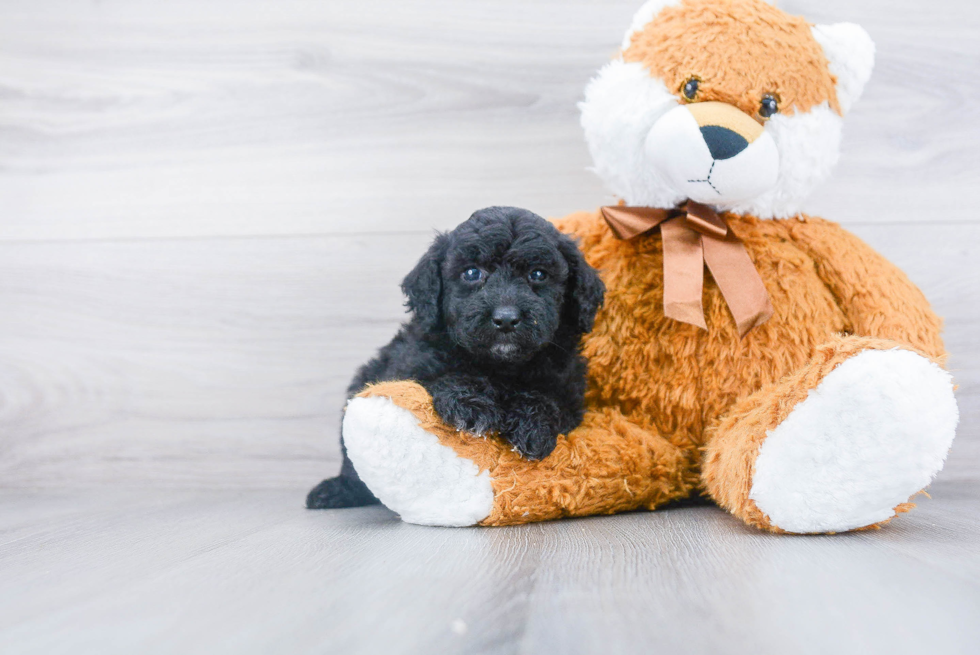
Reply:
x=876, y=296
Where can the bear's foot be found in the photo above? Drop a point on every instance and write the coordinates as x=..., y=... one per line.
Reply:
x=434, y=474
x=407, y=468
x=840, y=446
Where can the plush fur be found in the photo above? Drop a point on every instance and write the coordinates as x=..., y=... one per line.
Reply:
x=829, y=416
x=499, y=306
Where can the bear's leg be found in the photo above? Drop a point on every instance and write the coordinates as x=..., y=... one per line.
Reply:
x=432, y=474
x=839, y=445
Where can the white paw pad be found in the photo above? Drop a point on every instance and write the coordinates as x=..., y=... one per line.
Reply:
x=875, y=431
x=409, y=470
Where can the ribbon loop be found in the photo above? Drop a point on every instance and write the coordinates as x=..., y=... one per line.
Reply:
x=628, y=222
x=694, y=235
x=705, y=220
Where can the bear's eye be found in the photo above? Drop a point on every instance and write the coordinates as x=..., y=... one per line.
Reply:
x=690, y=88
x=768, y=106
x=537, y=275
x=472, y=275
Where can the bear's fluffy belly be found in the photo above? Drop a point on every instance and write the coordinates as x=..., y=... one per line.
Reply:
x=677, y=377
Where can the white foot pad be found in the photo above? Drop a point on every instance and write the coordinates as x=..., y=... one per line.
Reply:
x=875, y=431
x=409, y=470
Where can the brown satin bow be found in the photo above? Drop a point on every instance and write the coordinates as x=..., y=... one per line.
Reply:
x=695, y=235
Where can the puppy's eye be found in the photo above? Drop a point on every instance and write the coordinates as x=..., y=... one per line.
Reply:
x=537, y=275
x=690, y=88
x=768, y=106
x=472, y=275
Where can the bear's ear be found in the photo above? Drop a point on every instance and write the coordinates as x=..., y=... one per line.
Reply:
x=644, y=15
x=851, y=54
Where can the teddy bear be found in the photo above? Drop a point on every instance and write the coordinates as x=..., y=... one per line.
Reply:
x=746, y=351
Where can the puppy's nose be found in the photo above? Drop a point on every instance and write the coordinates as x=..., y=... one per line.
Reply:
x=506, y=319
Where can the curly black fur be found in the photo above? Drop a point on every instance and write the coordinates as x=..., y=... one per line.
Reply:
x=499, y=306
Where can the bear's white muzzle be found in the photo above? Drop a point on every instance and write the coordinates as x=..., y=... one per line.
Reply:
x=713, y=153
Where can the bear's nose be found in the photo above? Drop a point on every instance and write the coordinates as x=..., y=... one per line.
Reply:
x=726, y=130
x=506, y=318
x=723, y=142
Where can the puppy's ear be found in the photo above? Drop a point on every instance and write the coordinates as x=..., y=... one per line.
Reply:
x=423, y=285
x=584, y=290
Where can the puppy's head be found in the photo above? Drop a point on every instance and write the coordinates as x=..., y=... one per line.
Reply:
x=503, y=285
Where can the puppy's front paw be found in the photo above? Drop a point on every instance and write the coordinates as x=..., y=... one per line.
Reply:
x=533, y=425
x=534, y=441
x=468, y=413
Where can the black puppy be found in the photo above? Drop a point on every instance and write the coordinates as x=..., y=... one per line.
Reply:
x=499, y=306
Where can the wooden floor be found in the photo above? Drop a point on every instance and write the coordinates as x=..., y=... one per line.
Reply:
x=205, y=210
x=232, y=572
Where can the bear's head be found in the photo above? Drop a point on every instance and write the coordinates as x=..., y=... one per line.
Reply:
x=731, y=103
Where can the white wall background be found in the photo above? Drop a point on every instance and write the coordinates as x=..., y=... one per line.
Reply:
x=206, y=207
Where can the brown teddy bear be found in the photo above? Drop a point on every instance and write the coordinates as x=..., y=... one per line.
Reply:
x=799, y=384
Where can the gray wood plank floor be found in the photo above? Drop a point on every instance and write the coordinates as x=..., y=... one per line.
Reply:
x=192, y=572
x=205, y=210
